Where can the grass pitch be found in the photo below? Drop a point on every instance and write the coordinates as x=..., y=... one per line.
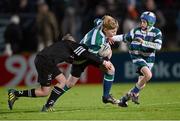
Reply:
x=159, y=101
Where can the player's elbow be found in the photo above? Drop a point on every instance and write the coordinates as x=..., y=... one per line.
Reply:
x=159, y=47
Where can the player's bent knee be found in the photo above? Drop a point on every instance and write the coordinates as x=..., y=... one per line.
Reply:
x=72, y=81
x=148, y=76
x=111, y=71
x=44, y=92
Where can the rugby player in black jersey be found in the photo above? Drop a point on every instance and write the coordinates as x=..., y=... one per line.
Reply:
x=64, y=50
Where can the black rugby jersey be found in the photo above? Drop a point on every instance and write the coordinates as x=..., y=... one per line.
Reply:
x=68, y=51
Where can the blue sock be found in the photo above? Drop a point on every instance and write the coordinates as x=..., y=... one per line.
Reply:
x=136, y=89
x=108, y=80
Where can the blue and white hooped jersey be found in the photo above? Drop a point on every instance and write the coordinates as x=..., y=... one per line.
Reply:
x=138, y=52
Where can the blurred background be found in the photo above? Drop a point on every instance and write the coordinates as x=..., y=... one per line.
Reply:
x=27, y=26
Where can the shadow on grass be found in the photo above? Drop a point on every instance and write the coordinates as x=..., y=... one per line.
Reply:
x=17, y=111
x=57, y=110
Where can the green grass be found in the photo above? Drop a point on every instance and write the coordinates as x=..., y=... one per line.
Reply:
x=158, y=101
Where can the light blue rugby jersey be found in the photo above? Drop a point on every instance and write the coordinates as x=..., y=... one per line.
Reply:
x=138, y=52
x=95, y=38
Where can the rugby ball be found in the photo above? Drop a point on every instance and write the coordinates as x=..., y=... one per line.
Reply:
x=105, y=50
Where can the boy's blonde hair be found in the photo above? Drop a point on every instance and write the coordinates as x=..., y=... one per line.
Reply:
x=109, y=22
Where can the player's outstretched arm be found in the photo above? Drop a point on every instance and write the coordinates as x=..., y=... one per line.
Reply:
x=116, y=38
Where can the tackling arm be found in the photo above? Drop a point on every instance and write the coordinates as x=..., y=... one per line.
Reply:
x=80, y=51
x=93, y=57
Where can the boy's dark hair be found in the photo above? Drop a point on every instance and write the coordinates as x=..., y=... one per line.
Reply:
x=65, y=37
x=68, y=37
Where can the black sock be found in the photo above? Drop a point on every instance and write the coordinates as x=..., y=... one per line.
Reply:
x=55, y=94
x=25, y=93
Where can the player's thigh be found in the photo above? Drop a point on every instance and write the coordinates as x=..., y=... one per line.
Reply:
x=47, y=71
x=146, y=72
x=78, y=69
x=72, y=81
x=61, y=78
x=139, y=65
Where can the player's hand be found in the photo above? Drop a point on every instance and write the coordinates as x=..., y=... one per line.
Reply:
x=110, y=40
x=138, y=39
x=107, y=64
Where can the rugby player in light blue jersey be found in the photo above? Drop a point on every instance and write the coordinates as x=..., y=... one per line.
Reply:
x=143, y=42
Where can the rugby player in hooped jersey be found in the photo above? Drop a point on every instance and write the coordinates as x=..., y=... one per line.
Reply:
x=143, y=42
x=94, y=40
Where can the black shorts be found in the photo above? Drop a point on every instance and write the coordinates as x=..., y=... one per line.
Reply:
x=138, y=71
x=47, y=70
x=78, y=69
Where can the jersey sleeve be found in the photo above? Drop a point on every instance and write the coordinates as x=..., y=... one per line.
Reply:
x=158, y=37
x=81, y=51
x=129, y=36
x=157, y=43
x=94, y=49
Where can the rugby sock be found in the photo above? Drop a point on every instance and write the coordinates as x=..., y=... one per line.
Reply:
x=55, y=94
x=136, y=89
x=66, y=88
x=25, y=93
x=108, y=80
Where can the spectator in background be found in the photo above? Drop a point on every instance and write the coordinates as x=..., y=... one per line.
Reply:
x=71, y=23
x=131, y=17
x=112, y=8
x=58, y=8
x=23, y=6
x=46, y=24
x=150, y=5
x=178, y=29
x=13, y=36
x=88, y=15
x=100, y=11
x=130, y=21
